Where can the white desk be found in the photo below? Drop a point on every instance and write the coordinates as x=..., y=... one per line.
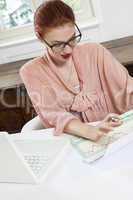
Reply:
x=76, y=180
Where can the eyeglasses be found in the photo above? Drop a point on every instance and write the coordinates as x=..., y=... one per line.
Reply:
x=72, y=42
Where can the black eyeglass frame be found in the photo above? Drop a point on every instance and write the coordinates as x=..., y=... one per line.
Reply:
x=65, y=43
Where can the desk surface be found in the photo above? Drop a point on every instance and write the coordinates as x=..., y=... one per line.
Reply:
x=76, y=180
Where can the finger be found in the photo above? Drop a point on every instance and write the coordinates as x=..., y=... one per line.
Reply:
x=112, y=117
x=115, y=123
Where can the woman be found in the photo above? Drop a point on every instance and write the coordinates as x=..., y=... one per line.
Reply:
x=72, y=84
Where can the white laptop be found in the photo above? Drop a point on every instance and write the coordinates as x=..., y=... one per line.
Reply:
x=30, y=160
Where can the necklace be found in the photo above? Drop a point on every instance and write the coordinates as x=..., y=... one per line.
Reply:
x=73, y=79
x=69, y=74
x=66, y=71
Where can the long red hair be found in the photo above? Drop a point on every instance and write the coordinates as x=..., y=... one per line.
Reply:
x=51, y=14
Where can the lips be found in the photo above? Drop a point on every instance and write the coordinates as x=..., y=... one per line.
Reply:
x=66, y=56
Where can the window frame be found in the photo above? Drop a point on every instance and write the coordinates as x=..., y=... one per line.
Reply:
x=16, y=36
x=92, y=5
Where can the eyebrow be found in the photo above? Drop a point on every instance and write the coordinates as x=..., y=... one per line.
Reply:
x=56, y=41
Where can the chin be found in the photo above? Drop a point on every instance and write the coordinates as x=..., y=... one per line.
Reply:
x=63, y=60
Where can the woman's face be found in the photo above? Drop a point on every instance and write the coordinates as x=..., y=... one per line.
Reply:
x=56, y=37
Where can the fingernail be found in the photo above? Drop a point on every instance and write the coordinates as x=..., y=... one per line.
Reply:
x=114, y=119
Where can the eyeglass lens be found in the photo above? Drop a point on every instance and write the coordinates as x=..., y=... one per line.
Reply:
x=71, y=43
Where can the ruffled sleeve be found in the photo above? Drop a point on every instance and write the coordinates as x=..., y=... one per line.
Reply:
x=45, y=101
x=106, y=85
x=116, y=81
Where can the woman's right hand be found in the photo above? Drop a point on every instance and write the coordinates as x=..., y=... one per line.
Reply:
x=104, y=127
x=94, y=133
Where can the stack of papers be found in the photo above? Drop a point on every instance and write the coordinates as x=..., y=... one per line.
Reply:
x=92, y=151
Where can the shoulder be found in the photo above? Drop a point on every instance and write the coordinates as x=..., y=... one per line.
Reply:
x=30, y=66
x=88, y=47
x=35, y=71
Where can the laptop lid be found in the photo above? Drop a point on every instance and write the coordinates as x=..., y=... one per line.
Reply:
x=13, y=167
x=44, y=155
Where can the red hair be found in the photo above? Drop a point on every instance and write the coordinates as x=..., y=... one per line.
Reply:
x=51, y=14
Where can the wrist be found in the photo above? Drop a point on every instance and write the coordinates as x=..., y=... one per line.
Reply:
x=91, y=132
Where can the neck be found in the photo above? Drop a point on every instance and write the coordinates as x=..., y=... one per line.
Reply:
x=58, y=62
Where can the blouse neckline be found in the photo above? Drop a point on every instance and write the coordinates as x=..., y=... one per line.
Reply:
x=54, y=68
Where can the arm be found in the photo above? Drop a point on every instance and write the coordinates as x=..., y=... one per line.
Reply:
x=116, y=81
x=78, y=128
x=44, y=99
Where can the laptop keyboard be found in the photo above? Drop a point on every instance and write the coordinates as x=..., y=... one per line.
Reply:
x=37, y=162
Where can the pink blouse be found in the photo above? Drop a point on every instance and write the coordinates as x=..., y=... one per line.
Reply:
x=104, y=87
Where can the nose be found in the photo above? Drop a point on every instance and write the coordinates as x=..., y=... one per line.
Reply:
x=67, y=49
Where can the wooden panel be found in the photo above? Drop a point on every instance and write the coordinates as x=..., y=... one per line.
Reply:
x=118, y=42
x=122, y=49
x=15, y=109
x=130, y=69
x=11, y=120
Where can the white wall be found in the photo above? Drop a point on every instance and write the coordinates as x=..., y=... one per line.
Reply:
x=116, y=21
